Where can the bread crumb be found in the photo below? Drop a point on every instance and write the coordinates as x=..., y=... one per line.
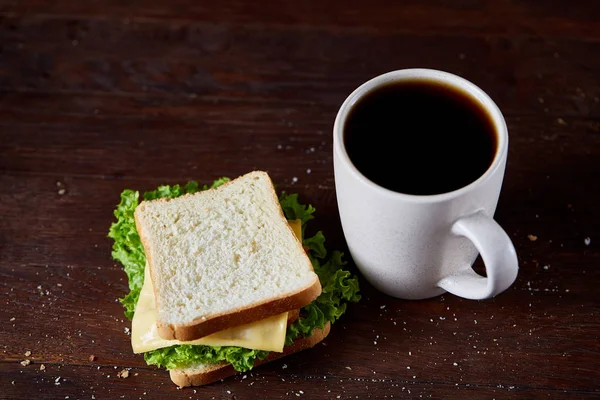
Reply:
x=42, y=367
x=127, y=331
x=294, y=179
x=123, y=374
x=587, y=241
x=25, y=362
x=284, y=366
x=561, y=121
x=12, y=319
x=92, y=358
x=27, y=353
x=533, y=238
x=62, y=191
x=349, y=368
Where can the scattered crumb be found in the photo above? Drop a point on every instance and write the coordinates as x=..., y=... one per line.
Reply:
x=308, y=171
x=92, y=357
x=12, y=319
x=349, y=368
x=587, y=241
x=127, y=331
x=533, y=238
x=123, y=374
x=25, y=362
x=59, y=183
x=59, y=284
x=294, y=179
x=382, y=307
x=546, y=267
x=561, y=121
x=27, y=353
x=455, y=364
x=284, y=366
x=62, y=191
x=42, y=367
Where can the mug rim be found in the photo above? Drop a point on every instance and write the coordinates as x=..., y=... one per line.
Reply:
x=448, y=79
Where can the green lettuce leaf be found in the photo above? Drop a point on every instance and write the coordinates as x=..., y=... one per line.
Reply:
x=184, y=355
x=339, y=286
x=294, y=210
x=316, y=245
x=128, y=249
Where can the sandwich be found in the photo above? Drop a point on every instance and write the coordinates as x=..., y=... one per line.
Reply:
x=222, y=278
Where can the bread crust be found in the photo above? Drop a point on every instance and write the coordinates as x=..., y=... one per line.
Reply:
x=223, y=370
x=257, y=311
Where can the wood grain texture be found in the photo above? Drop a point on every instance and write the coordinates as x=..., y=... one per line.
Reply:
x=99, y=97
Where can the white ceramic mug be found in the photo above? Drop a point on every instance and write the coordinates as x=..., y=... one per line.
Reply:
x=416, y=247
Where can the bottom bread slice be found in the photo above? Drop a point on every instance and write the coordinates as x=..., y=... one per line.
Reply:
x=203, y=374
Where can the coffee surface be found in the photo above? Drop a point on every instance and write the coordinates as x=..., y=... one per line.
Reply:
x=420, y=137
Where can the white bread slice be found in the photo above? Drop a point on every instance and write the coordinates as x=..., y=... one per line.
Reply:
x=203, y=374
x=222, y=258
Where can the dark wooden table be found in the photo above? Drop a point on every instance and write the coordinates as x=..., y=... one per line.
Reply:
x=96, y=97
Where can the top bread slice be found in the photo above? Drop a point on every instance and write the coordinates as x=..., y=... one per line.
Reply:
x=222, y=258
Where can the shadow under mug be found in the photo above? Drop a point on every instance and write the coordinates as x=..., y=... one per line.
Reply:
x=420, y=246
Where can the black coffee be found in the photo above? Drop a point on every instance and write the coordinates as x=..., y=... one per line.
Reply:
x=420, y=137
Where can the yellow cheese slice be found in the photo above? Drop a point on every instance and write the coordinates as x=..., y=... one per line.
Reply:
x=296, y=226
x=267, y=334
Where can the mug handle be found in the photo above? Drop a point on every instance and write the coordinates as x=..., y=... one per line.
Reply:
x=499, y=257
